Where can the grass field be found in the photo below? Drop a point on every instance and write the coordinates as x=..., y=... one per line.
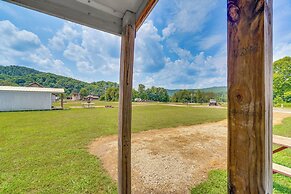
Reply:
x=45, y=151
x=216, y=183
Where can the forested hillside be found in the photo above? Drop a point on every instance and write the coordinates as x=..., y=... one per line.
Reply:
x=22, y=76
x=216, y=90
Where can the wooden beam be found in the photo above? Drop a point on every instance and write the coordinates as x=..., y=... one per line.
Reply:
x=125, y=108
x=144, y=11
x=277, y=168
x=250, y=96
x=279, y=149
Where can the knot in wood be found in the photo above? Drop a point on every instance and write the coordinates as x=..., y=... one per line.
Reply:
x=233, y=13
x=239, y=96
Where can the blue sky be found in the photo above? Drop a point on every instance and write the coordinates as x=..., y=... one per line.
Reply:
x=181, y=45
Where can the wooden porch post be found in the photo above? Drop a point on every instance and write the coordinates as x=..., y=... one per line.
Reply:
x=250, y=96
x=62, y=101
x=125, y=109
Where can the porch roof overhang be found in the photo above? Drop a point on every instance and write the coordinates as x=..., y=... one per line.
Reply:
x=105, y=15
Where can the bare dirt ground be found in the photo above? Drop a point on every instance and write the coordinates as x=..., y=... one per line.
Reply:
x=170, y=160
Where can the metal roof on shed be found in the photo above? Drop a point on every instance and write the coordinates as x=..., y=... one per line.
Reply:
x=105, y=15
x=32, y=89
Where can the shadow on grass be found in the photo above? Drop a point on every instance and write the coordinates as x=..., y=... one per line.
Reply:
x=278, y=185
x=217, y=184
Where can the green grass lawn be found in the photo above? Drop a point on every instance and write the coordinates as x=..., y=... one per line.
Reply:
x=45, y=151
x=216, y=183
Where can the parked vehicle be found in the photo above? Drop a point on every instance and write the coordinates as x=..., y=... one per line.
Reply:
x=213, y=102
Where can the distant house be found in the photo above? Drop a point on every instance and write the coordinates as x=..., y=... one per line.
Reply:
x=27, y=98
x=76, y=96
x=35, y=84
x=92, y=97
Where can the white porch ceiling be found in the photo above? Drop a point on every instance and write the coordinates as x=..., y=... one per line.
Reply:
x=105, y=15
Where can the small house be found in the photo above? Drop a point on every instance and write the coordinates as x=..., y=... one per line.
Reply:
x=76, y=96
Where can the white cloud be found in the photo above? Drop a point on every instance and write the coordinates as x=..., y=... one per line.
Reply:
x=44, y=60
x=18, y=39
x=210, y=41
x=92, y=51
x=86, y=67
x=170, y=29
x=182, y=53
x=198, y=71
x=68, y=33
x=188, y=16
x=149, y=56
x=21, y=47
x=75, y=52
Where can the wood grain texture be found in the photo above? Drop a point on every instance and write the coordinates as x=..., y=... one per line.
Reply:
x=125, y=106
x=250, y=96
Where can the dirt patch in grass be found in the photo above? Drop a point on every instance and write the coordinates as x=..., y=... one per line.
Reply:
x=278, y=117
x=170, y=160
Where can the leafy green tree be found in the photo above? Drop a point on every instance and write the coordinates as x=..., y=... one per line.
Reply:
x=282, y=78
x=182, y=96
x=142, y=92
x=199, y=96
x=278, y=101
x=135, y=94
x=84, y=92
x=287, y=96
x=112, y=94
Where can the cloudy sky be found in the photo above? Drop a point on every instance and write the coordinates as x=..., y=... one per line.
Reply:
x=181, y=45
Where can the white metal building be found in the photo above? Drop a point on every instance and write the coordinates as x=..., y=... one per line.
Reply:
x=27, y=98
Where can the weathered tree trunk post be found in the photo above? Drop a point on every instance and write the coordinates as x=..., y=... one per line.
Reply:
x=250, y=96
x=125, y=109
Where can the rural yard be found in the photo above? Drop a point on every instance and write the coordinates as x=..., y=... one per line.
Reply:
x=174, y=148
x=145, y=96
x=171, y=160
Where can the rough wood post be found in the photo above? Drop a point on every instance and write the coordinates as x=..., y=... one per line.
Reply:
x=62, y=101
x=250, y=96
x=125, y=109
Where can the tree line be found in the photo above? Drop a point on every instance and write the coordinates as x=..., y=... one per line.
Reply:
x=159, y=94
x=197, y=96
x=23, y=76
